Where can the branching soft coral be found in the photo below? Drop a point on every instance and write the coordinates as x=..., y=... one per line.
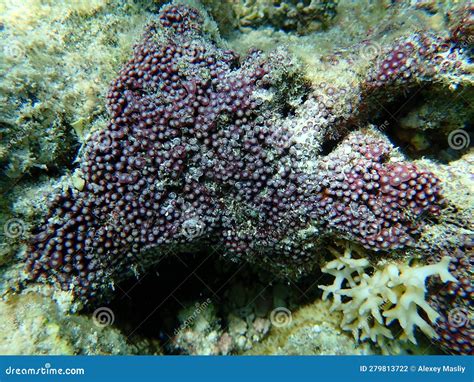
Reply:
x=394, y=292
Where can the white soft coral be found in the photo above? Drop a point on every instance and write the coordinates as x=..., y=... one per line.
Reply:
x=409, y=282
x=394, y=291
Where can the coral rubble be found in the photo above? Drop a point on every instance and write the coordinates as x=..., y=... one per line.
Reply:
x=312, y=330
x=288, y=15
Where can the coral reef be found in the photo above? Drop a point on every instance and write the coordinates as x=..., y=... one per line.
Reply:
x=424, y=127
x=58, y=58
x=455, y=221
x=289, y=15
x=267, y=147
x=462, y=17
x=164, y=132
x=310, y=330
x=416, y=58
x=187, y=157
x=43, y=322
x=454, y=302
x=376, y=203
x=393, y=292
x=454, y=238
x=201, y=332
x=40, y=115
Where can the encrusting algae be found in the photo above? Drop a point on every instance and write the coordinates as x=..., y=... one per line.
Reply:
x=392, y=292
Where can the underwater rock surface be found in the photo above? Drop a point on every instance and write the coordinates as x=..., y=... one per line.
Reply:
x=269, y=157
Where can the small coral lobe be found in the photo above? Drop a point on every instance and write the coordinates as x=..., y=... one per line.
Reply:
x=462, y=29
x=409, y=61
x=455, y=300
x=181, y=18
x=192, y=154
x=371, y=201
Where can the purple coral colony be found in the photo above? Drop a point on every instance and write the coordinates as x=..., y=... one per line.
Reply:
x=197, y=152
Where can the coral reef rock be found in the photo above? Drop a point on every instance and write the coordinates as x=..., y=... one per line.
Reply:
x=455, y=302
x=306, y=125
x=310, y=330
x=200, y=149
x=43, y=322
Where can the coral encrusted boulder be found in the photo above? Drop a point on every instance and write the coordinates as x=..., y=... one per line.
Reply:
x=205, y=149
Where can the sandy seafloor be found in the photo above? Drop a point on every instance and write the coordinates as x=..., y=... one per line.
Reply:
x=332, y=77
